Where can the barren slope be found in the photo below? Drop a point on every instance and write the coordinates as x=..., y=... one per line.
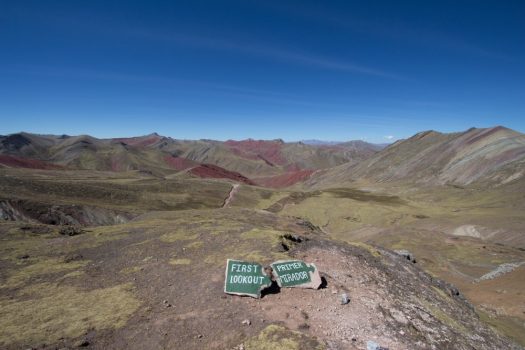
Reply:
x=164, y=289
x=495, y=155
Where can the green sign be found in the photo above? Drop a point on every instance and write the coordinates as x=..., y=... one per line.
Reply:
x=296, y=273
x=245, y=278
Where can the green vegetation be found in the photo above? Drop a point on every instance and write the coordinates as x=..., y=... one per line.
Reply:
x=180, y=261
x=511, y=327
x=440, y=292
x=444, y=317
x=55, y=312
x=276, y=337
x=178, y=235
x=257, y=197
x=368, y=247
x=271, y=236
x=132, y=269
x=40, y=268
x=194, y=245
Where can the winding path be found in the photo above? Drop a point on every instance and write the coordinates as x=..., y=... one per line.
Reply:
x=228, y=200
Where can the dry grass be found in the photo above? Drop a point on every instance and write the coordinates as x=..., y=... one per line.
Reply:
x=182, y=261
x=178, y=235
x=64, y=312
x=40, y=268
x=276, y=337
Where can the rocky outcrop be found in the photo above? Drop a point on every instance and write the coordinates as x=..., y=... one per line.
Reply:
x=60, y=214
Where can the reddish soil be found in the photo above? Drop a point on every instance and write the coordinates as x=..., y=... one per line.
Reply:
x=287, y=179
x=118, y=163
x=293, y=167
x=179, y=163
x=269, y=151
x=17, y=162
x=216, y=172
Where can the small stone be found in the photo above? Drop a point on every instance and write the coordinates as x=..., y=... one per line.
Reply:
x=247, y=322
x=199, y=336
x=344, y=299
x=165, y=301
x=401, y=332
x=371, y=345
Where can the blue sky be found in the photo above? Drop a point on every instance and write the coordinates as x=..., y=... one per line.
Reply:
x=329, y=70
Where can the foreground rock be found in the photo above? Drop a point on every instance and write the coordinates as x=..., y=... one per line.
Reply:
x=394, y=303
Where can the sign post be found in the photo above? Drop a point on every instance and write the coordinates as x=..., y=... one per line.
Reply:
x=296, y=274
x=245, y=278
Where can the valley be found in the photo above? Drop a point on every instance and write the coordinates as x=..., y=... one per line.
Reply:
x=121, y=243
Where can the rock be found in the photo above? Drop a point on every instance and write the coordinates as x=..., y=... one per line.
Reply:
x=72, y=257
x=406, y=254
x=371, y=345
x=71, y=230
x=344, y=299
x=82, y=343
x=454, y=291
x=247, y=322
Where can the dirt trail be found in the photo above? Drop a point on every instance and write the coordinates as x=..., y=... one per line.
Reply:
x=228, y=200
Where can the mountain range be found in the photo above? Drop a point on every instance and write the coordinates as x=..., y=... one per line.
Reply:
x=269, y=163
x=493, y=156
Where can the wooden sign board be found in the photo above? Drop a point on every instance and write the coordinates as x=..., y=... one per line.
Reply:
x=296, y=274
x=245, y=278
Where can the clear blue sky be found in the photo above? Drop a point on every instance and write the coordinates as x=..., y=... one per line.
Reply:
x=330, y=70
